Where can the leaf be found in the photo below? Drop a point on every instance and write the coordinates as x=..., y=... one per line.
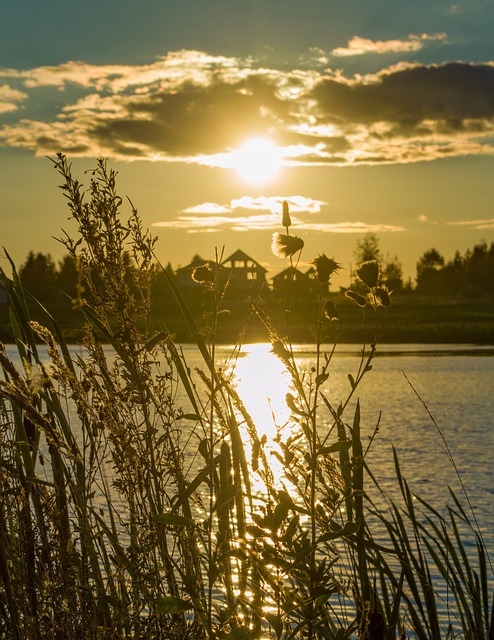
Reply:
x=336, y=446
x=190, y=416
x=275, y=622
x=225, y=496
x=173, y=519
x=322, y=377
x=172, y=604
x=255, y=531
x=352, y=380
x=155, y=340
x=349, y=529
x=199, y=479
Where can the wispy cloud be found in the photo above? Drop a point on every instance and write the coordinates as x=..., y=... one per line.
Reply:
x=208, y=208
x=247, y=214
x=487, y=223
x=192, y=107
x=358, y=46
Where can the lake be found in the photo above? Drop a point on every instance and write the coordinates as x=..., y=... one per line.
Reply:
x=456, y=382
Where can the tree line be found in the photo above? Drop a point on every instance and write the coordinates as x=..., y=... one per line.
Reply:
x=472, y=274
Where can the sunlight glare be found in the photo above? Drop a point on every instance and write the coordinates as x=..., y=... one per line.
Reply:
x=262, y=382
x=258, y=160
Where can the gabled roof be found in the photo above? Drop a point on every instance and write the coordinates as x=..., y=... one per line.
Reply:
x=291, y=271
x=241, y=256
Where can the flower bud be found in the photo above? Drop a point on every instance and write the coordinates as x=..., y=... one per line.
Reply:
x=286, y=215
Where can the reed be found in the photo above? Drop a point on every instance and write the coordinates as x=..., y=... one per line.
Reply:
x=125, y=515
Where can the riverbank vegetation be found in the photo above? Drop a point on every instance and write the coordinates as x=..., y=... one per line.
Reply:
x=416, y=318
x=125, y=514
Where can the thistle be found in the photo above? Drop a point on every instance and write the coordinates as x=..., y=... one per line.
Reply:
x=284, y=246
x=381, y=297
x=203, y=274
x=330, y=311
x=369, y=273
x=356, y=297
x=325, y=267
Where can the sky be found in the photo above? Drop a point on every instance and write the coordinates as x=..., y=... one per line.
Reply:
x=366, y=116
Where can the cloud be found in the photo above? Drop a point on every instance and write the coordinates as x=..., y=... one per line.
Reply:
x=475, y=224
x=248, y=214
x=9, y=98
x=274, y=204
x=351, y=227
x=358, y=46
x=192, y=107
x=208, y=208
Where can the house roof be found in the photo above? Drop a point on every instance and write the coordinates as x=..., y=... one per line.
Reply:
x=241, y=256
x=289, y=271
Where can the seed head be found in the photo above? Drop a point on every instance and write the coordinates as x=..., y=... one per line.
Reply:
x=284, y=246
x=382, y=296
x=203, y=274
x=369, y=273
x=330, y=310
x=356, y=297
x=325, y=267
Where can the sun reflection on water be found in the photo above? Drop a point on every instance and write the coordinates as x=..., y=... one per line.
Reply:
x=262, y=382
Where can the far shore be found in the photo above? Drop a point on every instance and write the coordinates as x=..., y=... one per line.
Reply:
x=410, y=319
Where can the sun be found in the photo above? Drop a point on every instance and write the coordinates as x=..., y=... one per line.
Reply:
x=257, y=161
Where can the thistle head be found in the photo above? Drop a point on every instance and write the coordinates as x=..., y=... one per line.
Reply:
x=369, y=273
x=284, y=246
x=325, y=267
x=330, y=311
x=381, y=296
x=356, y=297
x=203, y=274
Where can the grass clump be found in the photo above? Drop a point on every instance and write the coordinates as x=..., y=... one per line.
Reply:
x=128, y=514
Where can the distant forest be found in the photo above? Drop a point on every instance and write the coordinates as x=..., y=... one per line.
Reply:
x=470, y=275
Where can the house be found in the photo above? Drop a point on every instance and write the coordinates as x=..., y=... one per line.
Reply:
x=294, y=283
x=245, y=275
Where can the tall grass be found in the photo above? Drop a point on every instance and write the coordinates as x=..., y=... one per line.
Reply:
x=125, y=515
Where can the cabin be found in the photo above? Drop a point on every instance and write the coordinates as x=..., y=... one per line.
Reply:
x=245, y=275
x=294, y=283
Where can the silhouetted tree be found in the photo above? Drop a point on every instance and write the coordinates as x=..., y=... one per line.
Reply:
x=392, y=274
x=428, y=268
x=479, y=269
x=67, y=280
x=368, y=248
x=38, y=276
